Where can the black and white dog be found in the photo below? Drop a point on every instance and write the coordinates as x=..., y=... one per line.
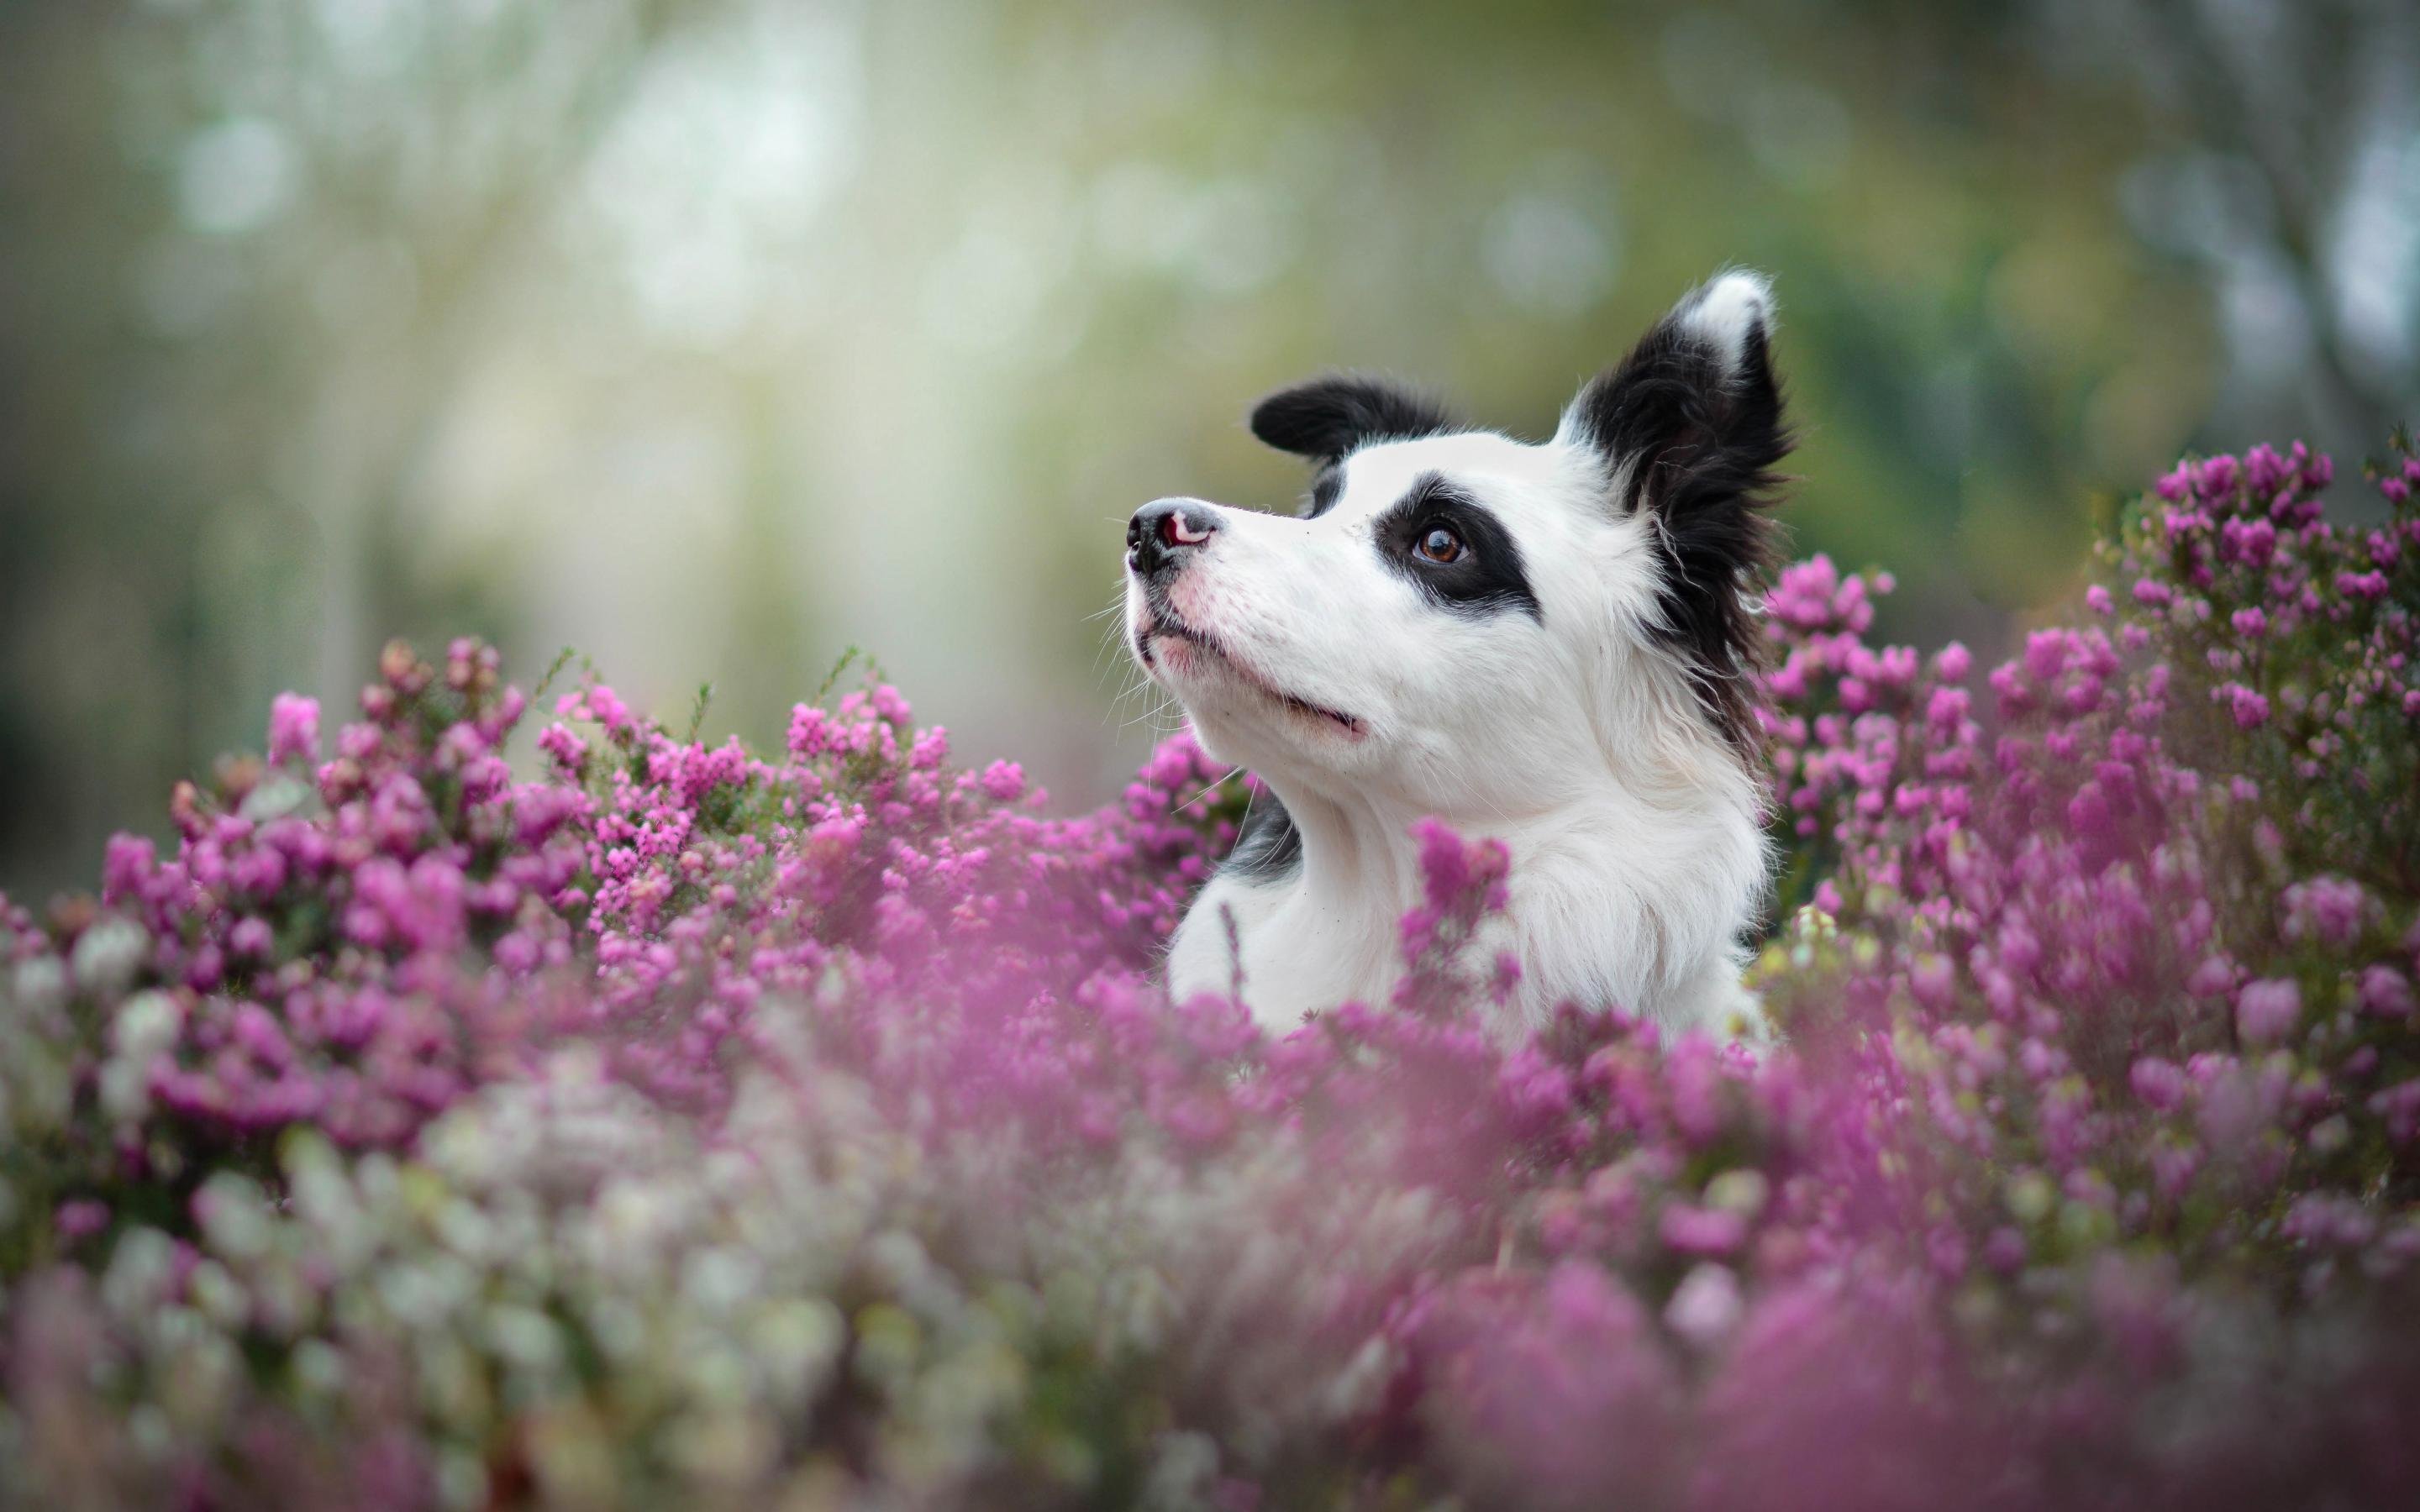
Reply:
x=1545, y=644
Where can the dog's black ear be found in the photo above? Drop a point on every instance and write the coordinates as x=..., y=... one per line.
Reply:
x=1690, y=427
x=1327, y=417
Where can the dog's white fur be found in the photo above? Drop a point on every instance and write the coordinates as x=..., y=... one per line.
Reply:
x=1576, y=737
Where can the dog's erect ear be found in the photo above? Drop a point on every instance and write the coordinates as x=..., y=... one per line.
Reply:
x=1327, y=417
x=1692, y=418
x=1689, y=426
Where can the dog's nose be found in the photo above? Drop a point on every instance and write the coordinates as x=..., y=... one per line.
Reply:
x=1163, y=531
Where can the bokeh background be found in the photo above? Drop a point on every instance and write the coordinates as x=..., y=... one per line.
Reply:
x=709, y=337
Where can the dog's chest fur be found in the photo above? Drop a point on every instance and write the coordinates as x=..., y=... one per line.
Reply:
x=1606, y=910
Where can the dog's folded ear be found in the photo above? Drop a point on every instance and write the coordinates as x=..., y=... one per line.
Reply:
x=1689, y=426
x=1326, y=418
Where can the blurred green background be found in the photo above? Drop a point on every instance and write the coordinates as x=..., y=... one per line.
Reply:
x=711, y=336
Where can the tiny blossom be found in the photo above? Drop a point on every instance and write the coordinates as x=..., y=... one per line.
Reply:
x=2266, y=1010
x=1706, y=1305
x=81, y=1219
x=2160, y=1084
x=293, y=728
x=2386, y=992
x=2328, y=909
x=2251, y=709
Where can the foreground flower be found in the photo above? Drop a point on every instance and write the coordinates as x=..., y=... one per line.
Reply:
x=686, y=1126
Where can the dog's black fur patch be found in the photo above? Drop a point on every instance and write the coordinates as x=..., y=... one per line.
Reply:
x=1269, y=846
x=1695, y=443
x=1489, y=577
x=1326, y=488
x=1328, y=417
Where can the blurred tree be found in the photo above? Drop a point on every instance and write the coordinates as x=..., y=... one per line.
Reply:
x=2283, y=158
x=253, y=248
x=713, y=334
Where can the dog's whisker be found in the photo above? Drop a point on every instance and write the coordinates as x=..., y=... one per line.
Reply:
x=1151, y=716
x=1207, y=790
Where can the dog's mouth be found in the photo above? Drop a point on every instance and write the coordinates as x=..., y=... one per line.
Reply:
x=1163, y=623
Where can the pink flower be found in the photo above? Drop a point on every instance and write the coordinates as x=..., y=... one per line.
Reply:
x=2327, y=909
x=2251, y=709
x=2385, y=992
x=1706, y=1231
x=80, y=1218
x=2213, y=977
x=1004, y=781
x=2267, y=1011
x=2161, y=1083
x=293, y=728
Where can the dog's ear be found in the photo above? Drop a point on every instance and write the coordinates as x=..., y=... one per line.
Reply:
x=1692, y=418
x=1327, y=417
x=1689, y=427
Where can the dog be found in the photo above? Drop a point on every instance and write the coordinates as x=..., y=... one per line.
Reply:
x=1549, y=644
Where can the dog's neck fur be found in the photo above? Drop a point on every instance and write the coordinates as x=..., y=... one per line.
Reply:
x=1630, y=894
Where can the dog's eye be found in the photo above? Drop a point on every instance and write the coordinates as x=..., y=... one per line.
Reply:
x=1440, y=546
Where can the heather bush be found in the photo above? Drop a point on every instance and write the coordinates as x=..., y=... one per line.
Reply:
x=659, y=1123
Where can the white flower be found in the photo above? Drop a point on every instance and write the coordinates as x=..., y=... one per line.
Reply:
x=1706, y=1306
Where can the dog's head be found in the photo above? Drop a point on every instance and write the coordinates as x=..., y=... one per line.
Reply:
x=1454, y=614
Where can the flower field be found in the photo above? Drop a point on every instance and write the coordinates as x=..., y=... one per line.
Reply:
x=666, y=1124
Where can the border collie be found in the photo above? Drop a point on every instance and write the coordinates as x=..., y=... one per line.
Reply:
x=1547, y=644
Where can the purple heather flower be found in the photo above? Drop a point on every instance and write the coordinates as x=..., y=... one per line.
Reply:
x=2161, y=1083
x=294, y=729
x=2328, y=909
x=2266, y=1010
x=1693, y=1231
x=2251, y=709
x=2385, y=991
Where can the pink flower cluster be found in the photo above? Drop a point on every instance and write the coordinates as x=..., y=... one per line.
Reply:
x=665, y=1123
